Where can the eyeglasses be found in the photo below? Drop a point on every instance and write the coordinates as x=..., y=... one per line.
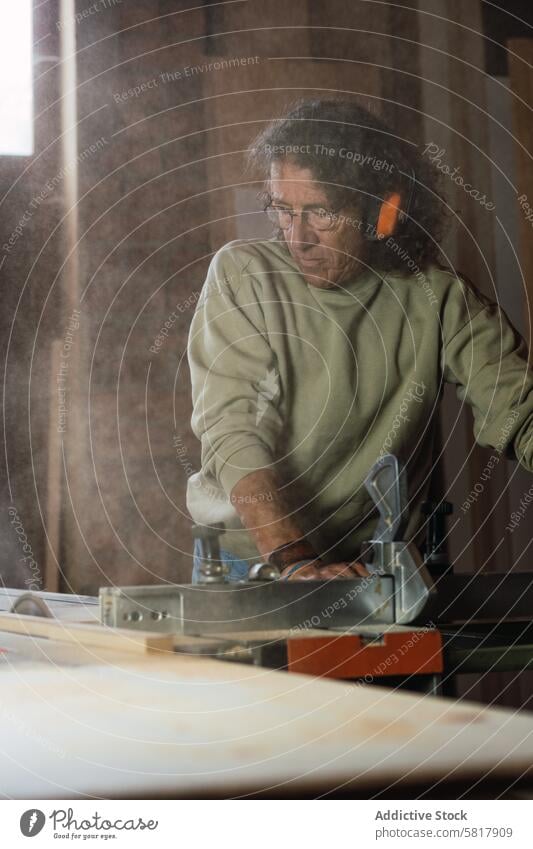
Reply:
x=317, y=218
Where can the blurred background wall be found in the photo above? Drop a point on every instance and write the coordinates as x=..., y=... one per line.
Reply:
x=143, y=111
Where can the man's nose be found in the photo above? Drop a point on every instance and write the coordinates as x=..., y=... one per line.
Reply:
x=301, y=232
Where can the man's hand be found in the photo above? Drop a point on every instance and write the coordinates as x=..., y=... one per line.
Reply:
x=314, y=571
x=264, y=509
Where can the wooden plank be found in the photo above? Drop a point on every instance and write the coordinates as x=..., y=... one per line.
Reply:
x=306, y=633
x=117, y=639
x=191, y=727
x=16, y=649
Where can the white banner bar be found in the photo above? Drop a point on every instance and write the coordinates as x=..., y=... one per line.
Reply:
x=269, y=824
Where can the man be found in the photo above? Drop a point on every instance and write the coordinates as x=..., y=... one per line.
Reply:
x=314, y=353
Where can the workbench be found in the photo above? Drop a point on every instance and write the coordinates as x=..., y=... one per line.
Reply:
x=92, y=711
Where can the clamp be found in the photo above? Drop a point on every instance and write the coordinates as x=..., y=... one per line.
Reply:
x=390, y=555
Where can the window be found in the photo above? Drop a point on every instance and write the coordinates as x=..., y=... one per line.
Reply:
x=16, y=76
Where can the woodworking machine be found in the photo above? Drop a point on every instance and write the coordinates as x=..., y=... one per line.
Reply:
x=427, y=619
x=398, y=589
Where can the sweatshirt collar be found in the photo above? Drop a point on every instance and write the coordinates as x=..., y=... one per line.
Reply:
x=351, y=289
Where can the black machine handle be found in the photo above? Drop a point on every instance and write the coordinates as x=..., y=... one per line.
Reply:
x=435, y=551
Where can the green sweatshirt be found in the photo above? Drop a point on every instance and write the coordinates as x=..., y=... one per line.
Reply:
x=317, y=384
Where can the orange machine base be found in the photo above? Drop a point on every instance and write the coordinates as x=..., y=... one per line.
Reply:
x=403, y=652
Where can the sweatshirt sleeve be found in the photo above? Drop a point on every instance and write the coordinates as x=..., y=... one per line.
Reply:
x=235, y=381
x=486, y=358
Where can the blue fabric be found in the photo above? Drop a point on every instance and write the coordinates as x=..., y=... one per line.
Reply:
x=238, y=568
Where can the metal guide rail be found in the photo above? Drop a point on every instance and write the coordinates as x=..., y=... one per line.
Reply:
x=332, y=605
x=218, y=608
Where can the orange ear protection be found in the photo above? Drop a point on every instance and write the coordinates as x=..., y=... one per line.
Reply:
x=389, y=214
x=384, y=215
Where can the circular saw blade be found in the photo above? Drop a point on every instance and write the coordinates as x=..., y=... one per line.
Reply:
x=29, y=604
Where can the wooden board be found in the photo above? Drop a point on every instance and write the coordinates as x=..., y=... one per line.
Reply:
x=117, y=639
x=19, y=648
x=180, y=726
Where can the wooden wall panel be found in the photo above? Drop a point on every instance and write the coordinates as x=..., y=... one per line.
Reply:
x=521, y=79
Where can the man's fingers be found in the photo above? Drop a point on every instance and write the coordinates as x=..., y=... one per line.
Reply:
x=348, y=571
x=360, y=569
x=327, y=573
x=345, y=570
x=305, y=573
x=337, y=570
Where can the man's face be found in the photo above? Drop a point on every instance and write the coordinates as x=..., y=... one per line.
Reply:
x=325, y=258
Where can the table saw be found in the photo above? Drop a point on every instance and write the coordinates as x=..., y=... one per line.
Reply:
x=183, y=689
